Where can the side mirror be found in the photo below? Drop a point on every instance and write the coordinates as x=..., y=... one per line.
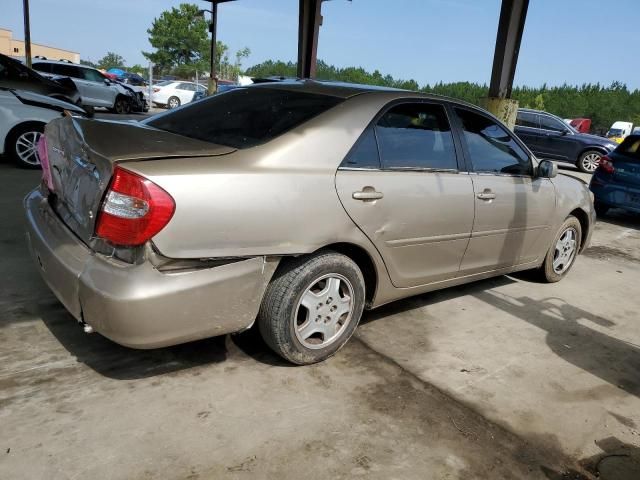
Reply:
x=547, y=169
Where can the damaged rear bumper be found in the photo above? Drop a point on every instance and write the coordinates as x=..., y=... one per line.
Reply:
x=137, y=305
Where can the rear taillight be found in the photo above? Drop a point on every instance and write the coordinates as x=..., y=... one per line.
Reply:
x=134, y=209
x=606, y=165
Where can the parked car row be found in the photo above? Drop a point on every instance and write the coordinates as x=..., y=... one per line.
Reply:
x=153, y=233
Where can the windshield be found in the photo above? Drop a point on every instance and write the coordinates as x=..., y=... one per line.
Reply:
x=615, y=132
x=164, y=83
x=244, y=117
x=630, y=147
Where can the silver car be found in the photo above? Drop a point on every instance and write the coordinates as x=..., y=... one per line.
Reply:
x=95, y=89
x=295, y=205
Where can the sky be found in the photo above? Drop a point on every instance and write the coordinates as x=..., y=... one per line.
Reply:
x=572, y=41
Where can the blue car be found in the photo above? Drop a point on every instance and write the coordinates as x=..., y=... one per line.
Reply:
x=616, y=182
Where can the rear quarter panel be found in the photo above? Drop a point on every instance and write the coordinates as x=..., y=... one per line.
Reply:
x=275, y=199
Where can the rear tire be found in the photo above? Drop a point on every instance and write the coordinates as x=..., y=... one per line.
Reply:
x=312, y=307
x=588, y=161
x=21, y=145
x=562, y=252
x=173, y=102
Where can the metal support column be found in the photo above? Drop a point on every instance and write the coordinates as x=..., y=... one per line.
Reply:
x=513, y=14
x=310, y=19
x=27, y=33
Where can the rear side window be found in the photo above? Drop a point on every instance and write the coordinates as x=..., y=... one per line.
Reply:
x=244, y=117
x=92, y=75
x=66, y=70
x=550, y=123
x=630, y=147
x=364, y=153
x=417, y=136
x=42, y=67
x=491, y=147
x=526, y=119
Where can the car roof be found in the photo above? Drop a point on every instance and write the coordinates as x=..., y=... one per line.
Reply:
x=60, y=62
x=346, y=90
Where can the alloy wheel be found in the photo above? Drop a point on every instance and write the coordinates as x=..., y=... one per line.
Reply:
x=565, y=251
x=591, y=161
x=27, y=148
x=324, y=311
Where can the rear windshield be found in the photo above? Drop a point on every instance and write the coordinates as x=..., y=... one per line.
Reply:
x=630, y=147
x=244, y=117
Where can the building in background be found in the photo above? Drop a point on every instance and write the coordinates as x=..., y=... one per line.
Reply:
x=15, y=48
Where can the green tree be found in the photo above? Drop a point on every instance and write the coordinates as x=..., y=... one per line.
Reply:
x=111, y=60
x=139, y=69
x=179, y=37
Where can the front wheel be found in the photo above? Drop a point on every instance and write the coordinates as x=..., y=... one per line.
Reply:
x=312, y=307
x=564, y=249
x=122, y=106
x=589, y=161
x=22, y=145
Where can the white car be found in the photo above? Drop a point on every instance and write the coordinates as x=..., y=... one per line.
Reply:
x=173, y=93
x=23, y=116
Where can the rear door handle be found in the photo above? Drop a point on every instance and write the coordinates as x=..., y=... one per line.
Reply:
x=486, y=195
x=367, y=194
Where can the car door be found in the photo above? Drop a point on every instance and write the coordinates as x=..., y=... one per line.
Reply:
x=528, y=129
x=557, y=140
x=513, y=208
x=185, y=92
x=102, y=91
x=403, y=186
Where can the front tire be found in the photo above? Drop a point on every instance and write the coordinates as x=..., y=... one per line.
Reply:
x=589, y=161
x=22, y=145
x=563, y=251
x=122, y=106
x=312, y=307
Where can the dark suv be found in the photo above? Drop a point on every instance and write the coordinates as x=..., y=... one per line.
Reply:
x=547, y=136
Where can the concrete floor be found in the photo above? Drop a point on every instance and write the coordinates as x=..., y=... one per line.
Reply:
x=505, y=378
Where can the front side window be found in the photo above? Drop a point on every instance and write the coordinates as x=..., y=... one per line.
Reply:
x=416, y=136
x=92, y=75
x=66, y=70
x=550, y=123
x=491, y=147
x=244, y=117
x=42, y=67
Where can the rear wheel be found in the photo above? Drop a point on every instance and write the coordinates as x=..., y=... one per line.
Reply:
x=312, y=307
x=563, y=251
x=22, y=145
x=589, y=161
x=173, y=102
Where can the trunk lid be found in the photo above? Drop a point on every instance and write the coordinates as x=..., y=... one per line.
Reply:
x=627, y=169
x=82, y=154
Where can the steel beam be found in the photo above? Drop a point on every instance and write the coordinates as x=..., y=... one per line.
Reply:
x=310, y=19
x=510, y=27
x=27, y=32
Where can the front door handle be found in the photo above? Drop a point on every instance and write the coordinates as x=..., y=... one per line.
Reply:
x=486, y=195
x=367, y=194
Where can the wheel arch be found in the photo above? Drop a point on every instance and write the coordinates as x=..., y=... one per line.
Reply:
x=362, y=259
x=596, y=148
x=585, y=225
